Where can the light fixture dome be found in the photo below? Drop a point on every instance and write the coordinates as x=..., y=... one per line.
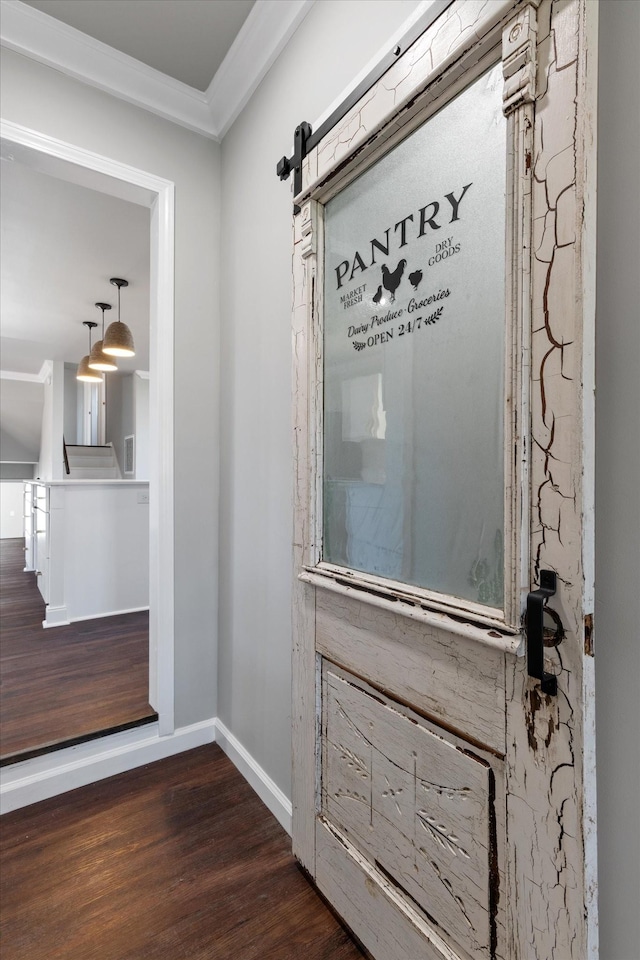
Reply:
x=98, y=360
x=84, y=371
x=118, y=340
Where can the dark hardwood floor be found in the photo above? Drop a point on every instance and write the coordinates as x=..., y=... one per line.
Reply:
x=178, y=860
x=65, y=683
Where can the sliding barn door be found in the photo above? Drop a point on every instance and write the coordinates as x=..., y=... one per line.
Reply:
x=443, y=662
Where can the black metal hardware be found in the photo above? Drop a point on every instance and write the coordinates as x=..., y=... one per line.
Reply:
x=535, y=632
x=305, y=140
x=300, y=149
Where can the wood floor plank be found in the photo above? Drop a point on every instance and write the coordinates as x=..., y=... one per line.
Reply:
x=67, y=682
x=178, y=860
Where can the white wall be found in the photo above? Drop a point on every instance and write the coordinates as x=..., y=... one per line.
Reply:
x=618, y=482
x=115, y=576
x=334, y=42
x=44, y=100
x=50, y=465
x=11, y=510
x=141, y=425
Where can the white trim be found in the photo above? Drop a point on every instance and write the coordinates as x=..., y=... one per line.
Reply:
x=143, y=374
x=157, y=193
x=43, y=38
x=260, y=40
x=56, y=617
x=40, y=377
x=93, y=616
x=51, y=774
x=268, y=791
x=30, y=781
x=161, y=458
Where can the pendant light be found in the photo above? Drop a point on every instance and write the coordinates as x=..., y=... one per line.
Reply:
x=84, y=371
x=118, y=340
x=98, y=360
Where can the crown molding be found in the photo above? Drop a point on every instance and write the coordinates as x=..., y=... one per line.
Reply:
x=40, y=377
x=262, y=37
x=43, y=38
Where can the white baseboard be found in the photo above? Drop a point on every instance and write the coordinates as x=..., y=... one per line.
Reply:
x=108, y=613
x=270, y=794
x=56, y=617
x=62, y=770
x=54, y=773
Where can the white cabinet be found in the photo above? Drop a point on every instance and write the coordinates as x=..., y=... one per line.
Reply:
x=29, y=528
x=41, y=538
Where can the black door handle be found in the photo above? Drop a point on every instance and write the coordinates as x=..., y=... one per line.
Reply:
x=535, y=632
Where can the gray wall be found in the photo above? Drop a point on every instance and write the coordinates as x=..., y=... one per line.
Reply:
x=70, y=415
x=334, y=42
x=17, y=471
x=39, y=97
x=618, y=482
x=119, y=413
x=12, y=448
x=141, y=427
x=21, y=409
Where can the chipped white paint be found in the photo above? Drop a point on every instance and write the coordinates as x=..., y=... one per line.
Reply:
x=399, y=687
x=549, y=790
x=413, y=801
x=465, y=691
x=519, y=59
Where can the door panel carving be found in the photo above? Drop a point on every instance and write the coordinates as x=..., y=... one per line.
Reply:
x=417, y=806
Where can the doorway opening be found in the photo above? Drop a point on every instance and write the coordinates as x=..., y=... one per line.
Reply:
x=103, y=174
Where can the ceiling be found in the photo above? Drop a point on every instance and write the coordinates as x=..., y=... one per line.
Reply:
x=61, y=243
x=185, y=39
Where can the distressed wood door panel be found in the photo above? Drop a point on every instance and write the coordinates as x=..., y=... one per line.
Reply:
x=460, y=685
x=419, y=807
x=347, y=878
x=442, y=802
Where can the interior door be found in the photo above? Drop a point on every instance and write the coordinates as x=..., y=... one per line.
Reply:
x=443, y=796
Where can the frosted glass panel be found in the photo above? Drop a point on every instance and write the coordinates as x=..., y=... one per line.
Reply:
x=414, y=318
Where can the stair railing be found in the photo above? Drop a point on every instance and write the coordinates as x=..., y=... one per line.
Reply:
x=66, y=457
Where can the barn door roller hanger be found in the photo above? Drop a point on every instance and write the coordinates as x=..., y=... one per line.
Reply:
x=305, y=139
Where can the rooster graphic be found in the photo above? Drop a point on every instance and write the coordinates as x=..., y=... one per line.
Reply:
x=391, y=279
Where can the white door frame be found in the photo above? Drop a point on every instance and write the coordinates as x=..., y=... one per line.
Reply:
x=138, y=186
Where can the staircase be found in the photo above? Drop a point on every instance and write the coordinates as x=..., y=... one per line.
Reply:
x=92, y=463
